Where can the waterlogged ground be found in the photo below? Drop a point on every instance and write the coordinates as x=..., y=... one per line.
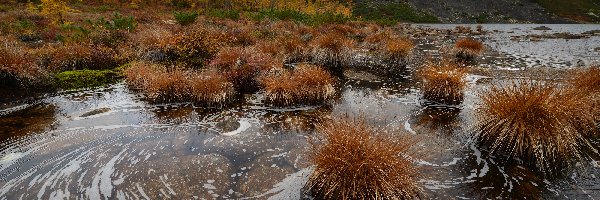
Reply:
x=110, y=143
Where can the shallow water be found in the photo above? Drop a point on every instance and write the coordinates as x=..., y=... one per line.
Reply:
x=512, y=50
x=109, y=143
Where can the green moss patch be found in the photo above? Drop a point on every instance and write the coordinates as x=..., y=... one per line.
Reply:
x=85, y=78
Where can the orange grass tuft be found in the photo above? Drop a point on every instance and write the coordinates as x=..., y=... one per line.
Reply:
x=443, y=82
x=357, y=161
x=17, y=67
x=587, y=80
x=305, y=84
x=241, y=66
x=211, y=87
x=161, y=85
x=195, y=47
x=537, y=122
x=331, y=50
x=398, y=48
x=468, y=48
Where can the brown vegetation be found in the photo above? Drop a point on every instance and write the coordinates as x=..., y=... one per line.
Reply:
x=167, y=85
x=241, y=66
x=468, y=49
x=18, y=69
x=443, y=82
x=537, y=122
x=357, y=161
x=586, y=82
x=331, y=50
x=304, y=84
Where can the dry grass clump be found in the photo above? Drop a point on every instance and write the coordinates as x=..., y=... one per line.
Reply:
x=293, y=48
x=174, y=85
x=194, y=48
x=211, y=87
x=537, y=122
x=331, y=50
x=387, y=54
x=242, y=65
x=156, y=43
x=587, y=80
x=305, y=84
x=443, y=82
x=468, y=49
x=357, y=161
x=17, y=68
x=77, y=56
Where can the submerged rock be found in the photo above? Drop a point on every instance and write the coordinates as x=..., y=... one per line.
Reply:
x=95, y=112
x=542, y=28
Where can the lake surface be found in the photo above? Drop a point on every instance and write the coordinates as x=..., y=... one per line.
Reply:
x=110, y=143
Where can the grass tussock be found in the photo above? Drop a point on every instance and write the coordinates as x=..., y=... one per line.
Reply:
x=536, y=122
x=331, y=50
x=468, y=49
x=19, y=69
x=587, y=82
x=387, y=53
x=198, y=45
x=242, y=66
x=444, y=82
x=160, y=84
x=357, y=161
x=303, y=85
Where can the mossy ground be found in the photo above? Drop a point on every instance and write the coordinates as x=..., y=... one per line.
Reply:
x=85, y=78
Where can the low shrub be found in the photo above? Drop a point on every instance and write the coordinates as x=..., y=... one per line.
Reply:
x=85, y=78
x=224, y=14
x=185, y=18
x=357, y=161
x=316, y=19
x=306, y=84
x=468, y=49
x=536, y=122
x=444, y=82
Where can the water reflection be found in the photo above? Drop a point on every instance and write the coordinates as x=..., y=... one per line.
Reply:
x=33, y=119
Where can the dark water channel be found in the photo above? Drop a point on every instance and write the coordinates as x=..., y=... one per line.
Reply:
x=108, y=143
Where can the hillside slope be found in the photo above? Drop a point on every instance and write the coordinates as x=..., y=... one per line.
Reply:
x=484, y=11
